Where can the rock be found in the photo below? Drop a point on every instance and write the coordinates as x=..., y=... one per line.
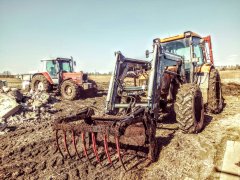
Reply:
x=8, y=106
x=36, y=104
x=40, y=99
x=5, y=89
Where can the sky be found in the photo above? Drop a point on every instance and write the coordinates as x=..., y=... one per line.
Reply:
x=91, y=31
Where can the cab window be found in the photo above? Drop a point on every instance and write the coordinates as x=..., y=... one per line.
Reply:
x=51, y=68
x=66, y=66
x=197, y=50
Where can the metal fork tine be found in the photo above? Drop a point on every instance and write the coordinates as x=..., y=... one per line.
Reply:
x=65, y=143
x=84, y=147
x=74, y=144
x=58, y=147
x=94, y=146
x=118, y=151
x=106, y=151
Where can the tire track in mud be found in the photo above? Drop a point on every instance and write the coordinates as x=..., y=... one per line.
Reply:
x=30, y=152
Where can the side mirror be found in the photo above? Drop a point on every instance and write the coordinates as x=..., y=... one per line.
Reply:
x=74, y=63
x=147, y=53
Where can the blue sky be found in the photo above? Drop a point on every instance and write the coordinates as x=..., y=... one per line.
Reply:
x=91, y=31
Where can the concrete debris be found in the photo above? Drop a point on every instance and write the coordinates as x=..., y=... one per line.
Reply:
x=8, y=106
x=17, y=107
x=6, y=89
x=40, y=99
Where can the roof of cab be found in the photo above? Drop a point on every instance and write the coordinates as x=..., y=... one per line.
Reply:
x=180, y=36
x=56, y=58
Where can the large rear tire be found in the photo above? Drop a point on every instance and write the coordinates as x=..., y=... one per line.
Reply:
x=189, y=108
x=70, y=90
x=215, y=98
x=40, y=83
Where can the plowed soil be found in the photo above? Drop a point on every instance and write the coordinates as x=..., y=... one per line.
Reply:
x=28, y=150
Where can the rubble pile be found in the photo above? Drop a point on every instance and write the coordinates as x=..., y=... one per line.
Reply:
x=16, y=107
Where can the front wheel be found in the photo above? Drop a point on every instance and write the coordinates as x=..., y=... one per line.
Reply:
x=189, y=108
x=70, y=90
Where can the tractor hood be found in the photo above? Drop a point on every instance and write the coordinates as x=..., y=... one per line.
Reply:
x=75, y=76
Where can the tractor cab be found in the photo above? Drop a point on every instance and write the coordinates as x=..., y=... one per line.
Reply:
x=189, y=45
x=195, y=50
x=56, y=66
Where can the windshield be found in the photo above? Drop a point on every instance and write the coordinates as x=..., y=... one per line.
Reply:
x=65, y=66
x=178, y=47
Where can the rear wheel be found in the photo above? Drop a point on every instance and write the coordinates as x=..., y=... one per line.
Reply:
x=70, y=90
x=189, y=108
x=40, y=83
x=215, y=98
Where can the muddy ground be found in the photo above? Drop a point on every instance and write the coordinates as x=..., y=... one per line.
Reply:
x=28, y=150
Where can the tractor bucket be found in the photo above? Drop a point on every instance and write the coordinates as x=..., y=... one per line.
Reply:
x=128, y=134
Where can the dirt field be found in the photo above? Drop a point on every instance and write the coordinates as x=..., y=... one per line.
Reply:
x=13, y=82
x=28, y=150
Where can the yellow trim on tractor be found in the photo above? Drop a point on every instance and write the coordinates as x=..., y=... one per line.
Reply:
x=180, y=36
x=173, y=38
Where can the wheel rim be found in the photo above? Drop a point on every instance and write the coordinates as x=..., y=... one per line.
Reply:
x=68, y=90
x=40, y=86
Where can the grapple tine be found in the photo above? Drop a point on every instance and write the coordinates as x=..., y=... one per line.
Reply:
x=74, y=144
x=94, y=146
x=106, y=150
x=118, y=151
x=65, y=143
x=58, y=147
x=84, y=147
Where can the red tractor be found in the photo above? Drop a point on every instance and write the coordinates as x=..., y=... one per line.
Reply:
x=59, y=73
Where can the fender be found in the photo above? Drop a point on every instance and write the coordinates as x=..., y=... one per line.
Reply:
x=46, y=75
x=203, y=73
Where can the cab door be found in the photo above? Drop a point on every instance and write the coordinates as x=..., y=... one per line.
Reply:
x=197, y=51
x=52, y=69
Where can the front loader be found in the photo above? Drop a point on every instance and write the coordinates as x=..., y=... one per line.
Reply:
x=128, y=125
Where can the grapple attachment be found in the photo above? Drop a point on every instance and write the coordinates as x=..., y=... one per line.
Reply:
x=107, y=136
